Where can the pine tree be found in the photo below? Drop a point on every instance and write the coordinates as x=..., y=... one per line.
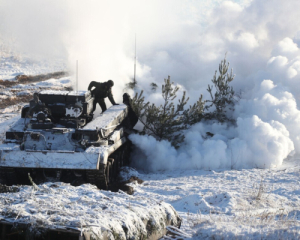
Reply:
x=138, y=105
x=222, y=99
x=167, y=121
x=194, y=113
x=131, y=85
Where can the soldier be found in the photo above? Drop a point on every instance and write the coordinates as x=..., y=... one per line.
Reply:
x=101, y=91
x=132, y=117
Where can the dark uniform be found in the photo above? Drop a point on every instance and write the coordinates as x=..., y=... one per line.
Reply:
x=101, y=91
x=132, y=117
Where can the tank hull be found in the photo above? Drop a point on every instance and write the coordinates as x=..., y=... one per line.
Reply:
x=91, y=159
x=91, y=150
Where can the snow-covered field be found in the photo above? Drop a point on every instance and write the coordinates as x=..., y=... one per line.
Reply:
x=13, y=64
x=87, y=210
x=231, y=204
x=214, y=204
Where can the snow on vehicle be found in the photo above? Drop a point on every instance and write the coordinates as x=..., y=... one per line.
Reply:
x=57, y=139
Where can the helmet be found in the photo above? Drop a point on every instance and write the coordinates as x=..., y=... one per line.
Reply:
x=110, y=82
x=126, y=96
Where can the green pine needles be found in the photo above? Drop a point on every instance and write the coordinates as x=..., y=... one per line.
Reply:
x=168, y=120
x=222, y=99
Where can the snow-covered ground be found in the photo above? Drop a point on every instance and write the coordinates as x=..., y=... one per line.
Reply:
x=86, y=209
x=231, y=204
x=13, y=64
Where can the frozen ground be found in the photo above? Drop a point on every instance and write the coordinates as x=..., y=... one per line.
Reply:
x=88, y=210
x=231, y=204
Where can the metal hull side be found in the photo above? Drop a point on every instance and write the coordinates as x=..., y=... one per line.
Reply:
x=108, y=120
x=88, y=160
x=48, y=159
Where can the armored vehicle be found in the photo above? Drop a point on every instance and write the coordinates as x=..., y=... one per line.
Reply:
x=57, y=139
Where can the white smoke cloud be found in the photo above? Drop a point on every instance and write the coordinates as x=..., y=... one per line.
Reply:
x=260, y=44
x=186, y=40
x=260, y=144
x=255, y=144
x=34, y=27
x=272, y=102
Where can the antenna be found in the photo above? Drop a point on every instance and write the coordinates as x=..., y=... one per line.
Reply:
x=76, y=76
x=134, y=80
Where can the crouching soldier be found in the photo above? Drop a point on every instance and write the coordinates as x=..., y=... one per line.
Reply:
x=100, y=91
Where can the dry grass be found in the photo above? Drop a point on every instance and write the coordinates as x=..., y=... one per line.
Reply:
x=24, y=79
x=15, y=100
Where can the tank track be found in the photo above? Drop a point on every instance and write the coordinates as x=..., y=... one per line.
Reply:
x=97, y=177
x=8, y=176
x=11, y=176
x=14, y=176
x=2, y=176
x=106, y=175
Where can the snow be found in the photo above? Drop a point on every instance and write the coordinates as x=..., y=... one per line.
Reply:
x=226, y=204
x=29, y=89
x=7, y=120
x=52, y=92
x=53, y=84
x=62, y=159
x=110, y=118
x=13, y=64
x=86, y=209
x=77, y=93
